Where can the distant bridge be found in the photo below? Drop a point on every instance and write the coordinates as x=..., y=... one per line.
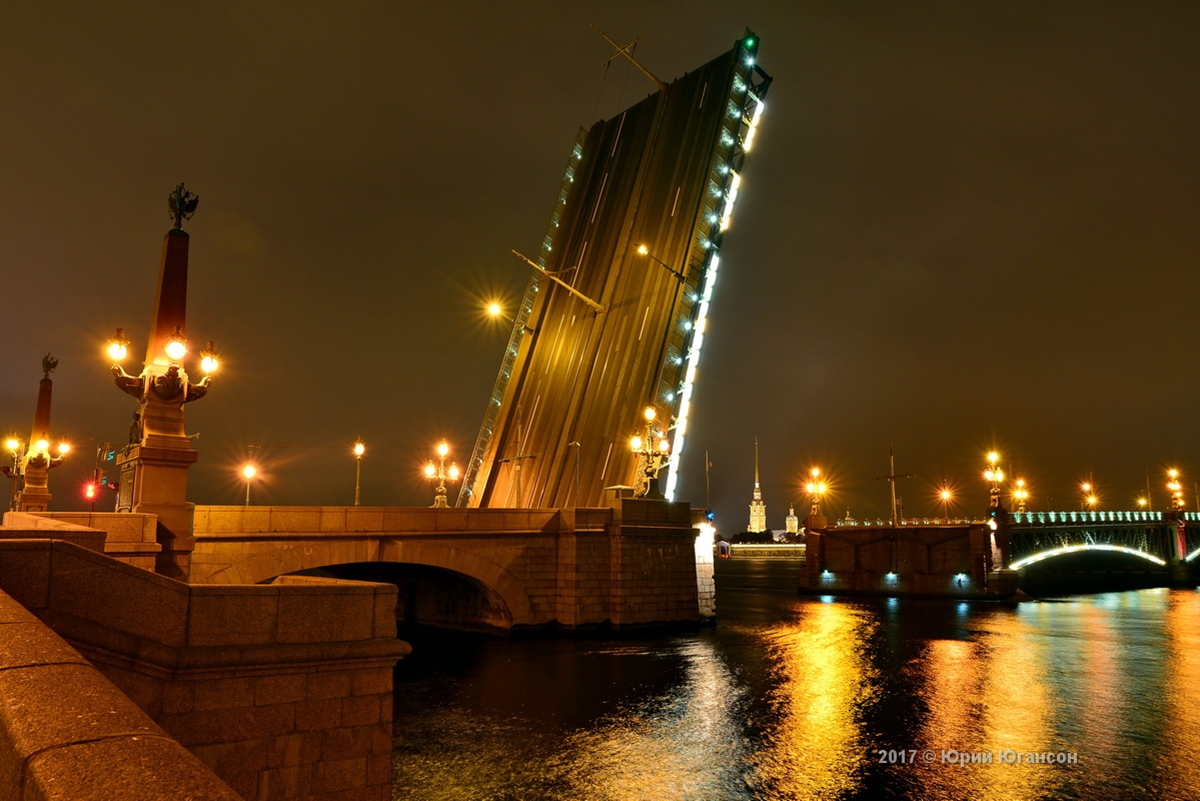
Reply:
x=974, y=558
x=1158, y=537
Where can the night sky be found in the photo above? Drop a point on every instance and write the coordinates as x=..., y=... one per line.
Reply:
x=963, y=226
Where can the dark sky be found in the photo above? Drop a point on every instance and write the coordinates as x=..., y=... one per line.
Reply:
x=963, y=226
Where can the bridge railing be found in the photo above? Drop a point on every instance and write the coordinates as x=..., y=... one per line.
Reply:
x=1029, y=518
x=1092, y=516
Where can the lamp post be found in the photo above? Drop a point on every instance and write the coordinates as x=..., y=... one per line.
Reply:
x=1088, y=499
x=359, y=449
x=995, y=476
x=645, y=251
x=1020, y=494
x=653, y=450
x=816, y=488
x=13, y=445
x=442, y=474
x=249, y=471
x=1176, y=489
x=945, y=494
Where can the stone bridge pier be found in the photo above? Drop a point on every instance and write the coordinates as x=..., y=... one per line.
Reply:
x=504, y=570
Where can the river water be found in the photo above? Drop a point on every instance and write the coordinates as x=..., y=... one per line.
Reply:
x=792, y=697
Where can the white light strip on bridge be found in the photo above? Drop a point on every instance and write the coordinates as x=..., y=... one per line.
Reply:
x=1192, y=555
x=1037, y=557
x=730, y=199
x=758, y=110
x=693, y=359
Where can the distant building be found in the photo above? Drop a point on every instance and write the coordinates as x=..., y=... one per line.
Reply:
x=758, y=509
x=793, y=522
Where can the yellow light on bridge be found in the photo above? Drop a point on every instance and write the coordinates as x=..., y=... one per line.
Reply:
x=118, y=347
x=430, y=470
x=209, y=360
x=176, y=347
x=443, y=449
x=249, y=471
x=64, y=448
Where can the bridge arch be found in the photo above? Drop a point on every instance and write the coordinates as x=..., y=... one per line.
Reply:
x=1041, y=556
x=497, y=582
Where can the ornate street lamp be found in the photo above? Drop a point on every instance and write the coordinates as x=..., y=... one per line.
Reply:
x=1176, y=489
x=442, y=474
x=155, y=463
x=1088, y=500
x=1020, y=494
x=995, y=476
x=32, y=461
x=816, y=489
x=653, y=449
x=359, y=450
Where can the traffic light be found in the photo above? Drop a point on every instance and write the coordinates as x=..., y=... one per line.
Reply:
x=89, y=491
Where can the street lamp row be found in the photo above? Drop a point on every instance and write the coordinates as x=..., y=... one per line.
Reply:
x=249, y=472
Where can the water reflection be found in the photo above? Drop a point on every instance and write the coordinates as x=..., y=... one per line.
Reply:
x=814, y=747
x=793, y=698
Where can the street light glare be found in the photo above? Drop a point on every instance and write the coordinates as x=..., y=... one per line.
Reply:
x=359, y=448
x=249, y=471
x=643, y=250
x=649, y=413
x=176, y=349
x=443, y=449
x=64, y=448
x=494, y=309
x=993, y=457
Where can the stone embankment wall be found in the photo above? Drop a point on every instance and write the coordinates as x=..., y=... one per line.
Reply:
x=283, y=690
x=66, y=732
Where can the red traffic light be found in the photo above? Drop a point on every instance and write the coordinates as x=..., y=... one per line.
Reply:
x=89, y=491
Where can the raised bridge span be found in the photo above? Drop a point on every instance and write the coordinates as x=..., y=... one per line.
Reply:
x=630, y=564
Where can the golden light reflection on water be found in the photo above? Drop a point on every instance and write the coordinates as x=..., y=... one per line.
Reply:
x=794, y=704
x=817, y=749
x=987, y=695
x=1182, y=696
x=688, y=747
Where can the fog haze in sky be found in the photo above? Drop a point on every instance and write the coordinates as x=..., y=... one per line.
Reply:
x=963, y=226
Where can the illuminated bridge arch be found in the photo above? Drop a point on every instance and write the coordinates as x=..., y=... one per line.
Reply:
x=1070, y=549
x=1156, y=537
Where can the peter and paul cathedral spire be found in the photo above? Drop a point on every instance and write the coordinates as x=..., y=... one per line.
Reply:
x=758, y=509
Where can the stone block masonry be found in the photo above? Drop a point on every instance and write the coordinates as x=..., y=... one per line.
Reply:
x=90, y=743
x=630, y=564
x=282, y=690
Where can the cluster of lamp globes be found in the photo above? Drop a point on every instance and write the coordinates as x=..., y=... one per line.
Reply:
x=175, y=349
x=40, y=447
x=1020, y=493
x=644, y=445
